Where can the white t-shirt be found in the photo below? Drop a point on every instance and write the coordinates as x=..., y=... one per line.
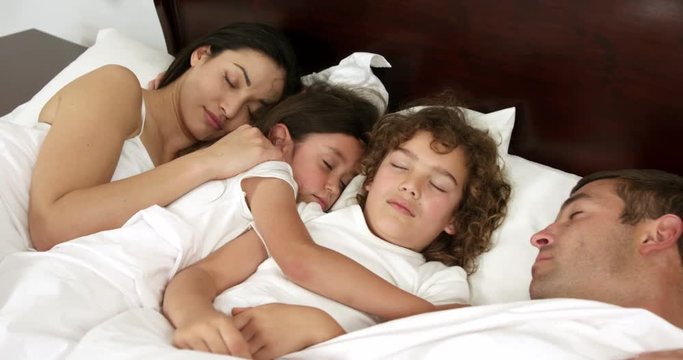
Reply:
x=346, y=232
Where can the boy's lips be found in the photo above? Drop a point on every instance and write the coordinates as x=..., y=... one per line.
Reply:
x=401, y=206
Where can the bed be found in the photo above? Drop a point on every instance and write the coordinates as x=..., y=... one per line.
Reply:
x=570, y=87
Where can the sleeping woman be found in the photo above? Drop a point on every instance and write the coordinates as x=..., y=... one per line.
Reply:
x=103, y=145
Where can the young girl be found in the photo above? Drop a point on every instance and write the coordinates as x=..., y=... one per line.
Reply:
x=434, y=196
x=321, y=134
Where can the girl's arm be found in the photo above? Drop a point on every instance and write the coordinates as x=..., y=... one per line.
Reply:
x=71, y=190
x=275, y=329
x=188, y=299
x=316, y=268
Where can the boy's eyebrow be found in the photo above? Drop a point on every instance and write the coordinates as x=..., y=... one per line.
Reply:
x=438, y=169
x=244, y=72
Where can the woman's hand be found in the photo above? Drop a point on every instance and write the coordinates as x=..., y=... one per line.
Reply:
x=238, y=151
x=212, y=332
x=273, y=330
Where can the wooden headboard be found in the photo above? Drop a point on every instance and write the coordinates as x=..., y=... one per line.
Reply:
x=597, y=84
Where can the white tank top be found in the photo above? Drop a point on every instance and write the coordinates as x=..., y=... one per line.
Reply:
x=134, y=156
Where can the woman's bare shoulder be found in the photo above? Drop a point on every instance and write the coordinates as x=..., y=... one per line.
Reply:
x=112, y=92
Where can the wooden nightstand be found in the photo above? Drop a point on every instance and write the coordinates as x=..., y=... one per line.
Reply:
x=28, y=60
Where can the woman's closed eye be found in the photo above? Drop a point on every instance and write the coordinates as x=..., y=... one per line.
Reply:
x=230, y=82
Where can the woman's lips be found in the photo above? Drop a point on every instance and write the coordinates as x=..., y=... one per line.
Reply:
x=213, y=120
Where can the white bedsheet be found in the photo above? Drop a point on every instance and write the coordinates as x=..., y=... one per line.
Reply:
x=552, y=329
x=49, y=300
x=18, y=152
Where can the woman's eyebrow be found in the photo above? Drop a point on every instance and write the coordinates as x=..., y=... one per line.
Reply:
x=244, y=72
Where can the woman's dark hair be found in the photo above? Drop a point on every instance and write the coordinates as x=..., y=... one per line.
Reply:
x=322, y=108
x=259, y=37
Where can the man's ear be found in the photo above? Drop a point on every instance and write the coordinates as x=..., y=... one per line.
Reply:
x=662, y=234
x=450, y=229
x=280, y=137
x=200, y=55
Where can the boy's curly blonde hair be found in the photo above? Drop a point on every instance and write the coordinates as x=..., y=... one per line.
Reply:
x=485, y=193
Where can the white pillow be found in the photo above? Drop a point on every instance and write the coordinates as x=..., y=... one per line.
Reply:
x=498, y=123
x=504, y=272
x=111, y=47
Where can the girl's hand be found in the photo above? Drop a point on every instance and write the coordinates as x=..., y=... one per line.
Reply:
x=213, y=332
x=273, y=330
x=662, y=355
x=238, y=151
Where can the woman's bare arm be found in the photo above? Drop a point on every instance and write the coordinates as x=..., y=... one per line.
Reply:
x=71, y=194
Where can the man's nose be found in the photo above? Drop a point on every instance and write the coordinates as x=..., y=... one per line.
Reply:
x=541, y=239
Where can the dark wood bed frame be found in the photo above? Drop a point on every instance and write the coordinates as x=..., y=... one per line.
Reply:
x=597, y=84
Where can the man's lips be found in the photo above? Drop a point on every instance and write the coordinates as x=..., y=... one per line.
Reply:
x=213, y=120
x=540, y=258
x=401, y=207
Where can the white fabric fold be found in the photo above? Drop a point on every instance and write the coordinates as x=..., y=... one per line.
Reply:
x=355, y=71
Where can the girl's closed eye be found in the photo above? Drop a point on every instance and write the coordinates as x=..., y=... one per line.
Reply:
x=399, y=166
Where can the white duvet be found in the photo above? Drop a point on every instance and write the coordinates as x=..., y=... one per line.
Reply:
x=550, y=329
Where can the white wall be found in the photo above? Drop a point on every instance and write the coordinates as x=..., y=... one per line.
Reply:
x=79, y=20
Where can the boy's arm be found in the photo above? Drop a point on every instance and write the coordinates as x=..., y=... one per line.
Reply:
x=314, y=267
x=188, y=299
